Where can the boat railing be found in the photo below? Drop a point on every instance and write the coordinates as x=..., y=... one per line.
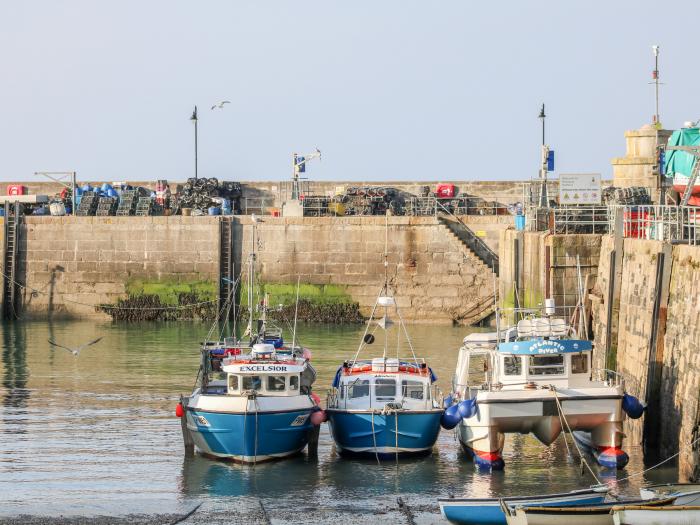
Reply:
x=610, y=377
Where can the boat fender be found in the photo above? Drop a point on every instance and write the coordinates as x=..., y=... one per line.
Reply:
x=467, y=408
x=318, y=417
x=179, y=410
x=447, y=402
x=450, y=417
x=315, y=397
x=632, y=406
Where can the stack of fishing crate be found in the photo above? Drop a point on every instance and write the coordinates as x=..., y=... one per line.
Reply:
x=107, y=206
x=127, y=203
x=144, y=207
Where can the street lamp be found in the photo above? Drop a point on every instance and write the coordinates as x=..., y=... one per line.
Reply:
x=194, y=119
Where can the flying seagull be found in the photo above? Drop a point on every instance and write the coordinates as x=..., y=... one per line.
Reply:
x=220, y=105
x=75, y=351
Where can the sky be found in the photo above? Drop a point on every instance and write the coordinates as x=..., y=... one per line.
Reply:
x=388, y=90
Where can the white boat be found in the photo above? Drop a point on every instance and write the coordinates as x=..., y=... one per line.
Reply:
x=643, y=515
x=600, y=514
x=687, y=494
x=537, y=379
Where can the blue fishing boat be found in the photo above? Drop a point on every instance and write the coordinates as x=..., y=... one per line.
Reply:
x=488, y=511
x=384, y=407
x=253, y=400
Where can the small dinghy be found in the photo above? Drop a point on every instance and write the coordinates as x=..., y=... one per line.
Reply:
x=488, y=511
x=645, y=515
x=687, y=494
x=574, y=515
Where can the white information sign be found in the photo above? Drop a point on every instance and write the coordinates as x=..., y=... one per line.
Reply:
x=579, y=188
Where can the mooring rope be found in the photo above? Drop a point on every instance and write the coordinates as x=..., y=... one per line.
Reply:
x=563, y=416
x=635, y=474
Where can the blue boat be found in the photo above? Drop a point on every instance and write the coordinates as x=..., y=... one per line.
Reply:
x=253, y=399
x=487, y=511
x=384, y=407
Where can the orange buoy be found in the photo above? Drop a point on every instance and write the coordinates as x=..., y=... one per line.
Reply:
x=179, y=410
x=316, y=399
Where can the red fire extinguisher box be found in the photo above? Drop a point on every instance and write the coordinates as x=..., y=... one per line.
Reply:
x=15, y=189
x=446, y=191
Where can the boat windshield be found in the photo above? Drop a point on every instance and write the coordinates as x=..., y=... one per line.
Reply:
x=412, y=389
x=546, y=365
x=359, y=389
x=384, y=388
x=275, y=383
x=252, y=383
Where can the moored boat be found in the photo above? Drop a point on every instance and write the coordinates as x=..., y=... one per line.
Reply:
x=488, y=511
x=536, y=378
x=253, y=400
x=645, y=515
x=600, y=514
x=686, y=494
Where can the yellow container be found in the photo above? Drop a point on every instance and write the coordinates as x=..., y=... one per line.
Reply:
x=336, y=208
x=340, y=190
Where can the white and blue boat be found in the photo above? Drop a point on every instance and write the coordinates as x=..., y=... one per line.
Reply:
x=253, y=400
x=536, y=378
x=488, y=511
x=384, y=407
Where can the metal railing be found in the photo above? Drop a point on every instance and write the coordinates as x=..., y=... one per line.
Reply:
x=427, y=206
x=581, y=219
x=257, y=205
x=677, y=224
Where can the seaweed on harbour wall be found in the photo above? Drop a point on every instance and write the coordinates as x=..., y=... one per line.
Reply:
x=313, y=312
x=148, y=307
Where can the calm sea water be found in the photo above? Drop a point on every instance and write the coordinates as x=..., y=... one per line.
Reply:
x=97, y=434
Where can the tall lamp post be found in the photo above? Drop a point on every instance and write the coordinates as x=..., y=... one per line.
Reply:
x=194, y=119
x=544, y=198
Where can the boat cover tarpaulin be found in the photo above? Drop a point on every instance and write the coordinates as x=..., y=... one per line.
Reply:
x=680, y=161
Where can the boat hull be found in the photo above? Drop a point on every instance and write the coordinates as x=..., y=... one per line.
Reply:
x=364, y=433
x=685, y=493
x=250, y=437
x=536, y=412
x=488, y=511
x=653, y=516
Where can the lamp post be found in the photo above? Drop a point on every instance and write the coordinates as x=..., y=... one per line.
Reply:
x=194, y=119
x=544, y=198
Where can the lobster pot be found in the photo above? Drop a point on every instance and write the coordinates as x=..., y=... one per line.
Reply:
x=57, y=208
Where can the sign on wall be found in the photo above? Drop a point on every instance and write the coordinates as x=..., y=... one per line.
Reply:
x=579, y=188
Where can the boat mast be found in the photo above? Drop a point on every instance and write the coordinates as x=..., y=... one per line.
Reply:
x=251, y=280
x=386, y=281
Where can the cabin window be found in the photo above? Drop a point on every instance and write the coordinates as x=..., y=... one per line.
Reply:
x=359, y=389
x=293, y=382
x=251, y=383
x=512, y=365
x=232, y=383
x=385, y=388
x=546, y=365
x=579, y=363
x=275, y=383
x=412, y=389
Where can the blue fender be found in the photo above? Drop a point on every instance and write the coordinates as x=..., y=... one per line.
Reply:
x=467, y=408
x=447, y=402
x=632, y=406
x=450, y=417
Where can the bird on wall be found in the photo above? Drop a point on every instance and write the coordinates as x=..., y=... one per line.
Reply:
x=220, y=105
x=75, y=351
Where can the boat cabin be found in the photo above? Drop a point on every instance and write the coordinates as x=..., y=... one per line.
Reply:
x=537, y=353
x=379, y=382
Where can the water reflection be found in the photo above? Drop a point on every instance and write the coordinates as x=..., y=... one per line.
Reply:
x=97, y=435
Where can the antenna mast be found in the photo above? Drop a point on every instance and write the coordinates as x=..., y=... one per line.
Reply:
x=655, y=78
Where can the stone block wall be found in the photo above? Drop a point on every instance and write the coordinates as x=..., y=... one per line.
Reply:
x=435, y=277
x=680, y=384
x=74, y=262
x=599, y=298
x=637, y=296
x=567, y=254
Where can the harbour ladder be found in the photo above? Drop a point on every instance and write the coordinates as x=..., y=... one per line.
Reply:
x=226, y=267
x=10, y=289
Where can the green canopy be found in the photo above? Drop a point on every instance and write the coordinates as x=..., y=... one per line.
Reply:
x=680, y=161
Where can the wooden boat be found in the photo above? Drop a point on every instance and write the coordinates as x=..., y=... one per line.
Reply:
x=686, y=493
x=574, y=515
x=645, y=515
x=488, y=511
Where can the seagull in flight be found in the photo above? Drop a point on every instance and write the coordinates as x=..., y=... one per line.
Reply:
x=75, y=351
x=220, y=105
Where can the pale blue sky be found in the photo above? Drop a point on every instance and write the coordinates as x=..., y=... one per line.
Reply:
x=433, y=90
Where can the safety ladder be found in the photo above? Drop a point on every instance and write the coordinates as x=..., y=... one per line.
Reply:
x=10, y=290
x=226, y=265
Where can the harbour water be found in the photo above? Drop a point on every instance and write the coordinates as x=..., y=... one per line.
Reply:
x=97, y=435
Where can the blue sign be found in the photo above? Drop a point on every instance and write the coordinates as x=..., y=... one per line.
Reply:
x=550, y=160
x=301, y=164
x=546, y=346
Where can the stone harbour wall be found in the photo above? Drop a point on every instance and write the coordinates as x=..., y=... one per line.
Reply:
x=69, y=264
